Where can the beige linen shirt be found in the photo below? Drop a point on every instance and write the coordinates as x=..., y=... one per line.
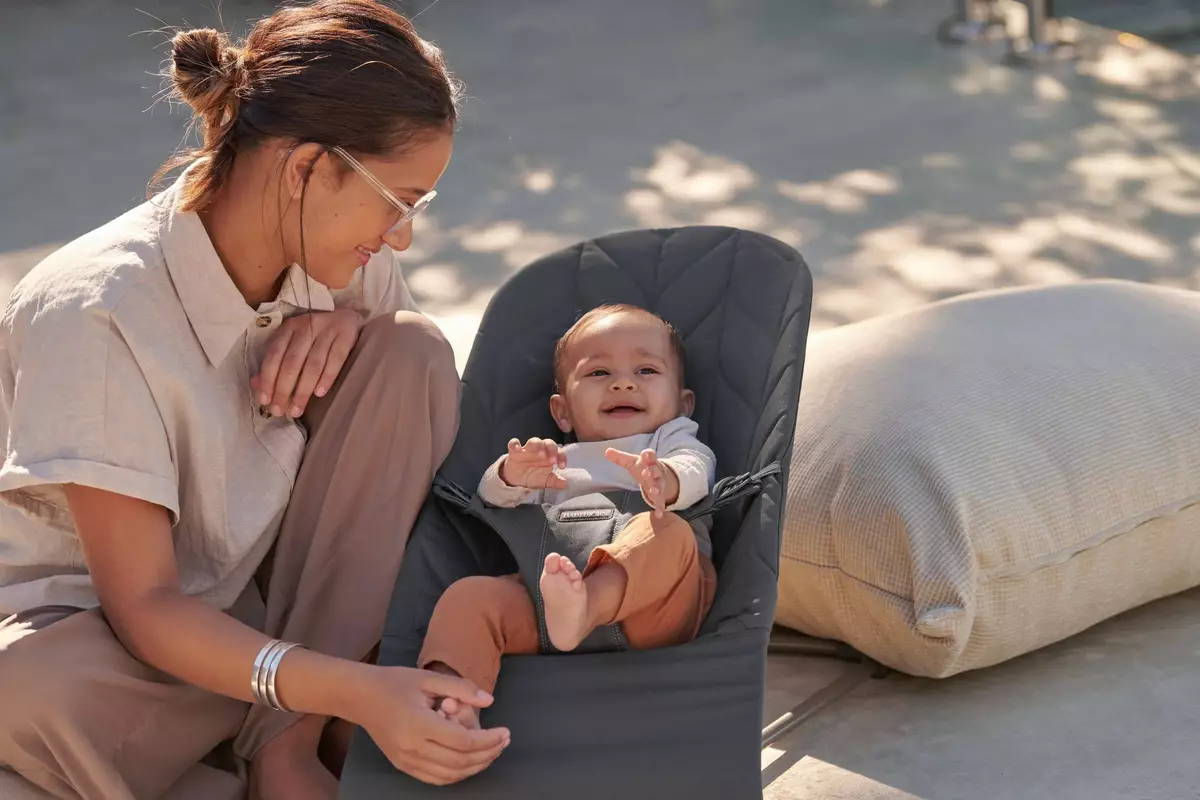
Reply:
x=125, y=364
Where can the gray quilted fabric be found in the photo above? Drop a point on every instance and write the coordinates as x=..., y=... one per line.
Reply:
x=740, y=300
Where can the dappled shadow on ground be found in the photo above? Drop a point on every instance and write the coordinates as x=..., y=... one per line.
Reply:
x=984, y=176
x=904, y=172
x=1088, y=171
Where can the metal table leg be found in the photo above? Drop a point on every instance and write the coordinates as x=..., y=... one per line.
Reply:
x=1041, y=43
x=972, y=21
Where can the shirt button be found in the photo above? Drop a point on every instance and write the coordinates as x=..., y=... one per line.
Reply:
x=263, y=321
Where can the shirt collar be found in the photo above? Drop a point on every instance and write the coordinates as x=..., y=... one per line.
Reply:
x=215, y=308
x=303, y=291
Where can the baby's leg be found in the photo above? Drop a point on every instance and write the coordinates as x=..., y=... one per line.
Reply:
x=669, y=585
x=575, y=605
x=477, y=620
x=651, y=578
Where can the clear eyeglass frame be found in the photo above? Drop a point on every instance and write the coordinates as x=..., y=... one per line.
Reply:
x=407, y=212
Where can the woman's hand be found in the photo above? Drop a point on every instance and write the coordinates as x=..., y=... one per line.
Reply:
x=658, y=481
x=304, y=358
x=398, y=713
x=532, y=464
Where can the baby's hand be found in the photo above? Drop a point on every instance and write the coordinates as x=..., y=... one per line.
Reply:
x=657, y=481
x=532, y=464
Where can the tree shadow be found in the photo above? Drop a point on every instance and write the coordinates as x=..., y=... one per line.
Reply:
x=903, y=171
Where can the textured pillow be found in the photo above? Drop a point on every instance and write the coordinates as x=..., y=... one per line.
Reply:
x=988, y=474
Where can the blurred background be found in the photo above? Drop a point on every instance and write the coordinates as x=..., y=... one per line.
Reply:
x=903, y=169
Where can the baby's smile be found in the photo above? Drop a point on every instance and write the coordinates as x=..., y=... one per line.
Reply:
x=622, y=410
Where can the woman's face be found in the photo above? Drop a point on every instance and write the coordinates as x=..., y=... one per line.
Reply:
x=346, y=220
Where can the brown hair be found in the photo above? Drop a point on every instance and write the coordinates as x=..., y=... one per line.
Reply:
x=352, y=73
x=564, y=341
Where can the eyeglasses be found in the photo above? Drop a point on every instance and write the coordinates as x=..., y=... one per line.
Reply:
x=407, y=212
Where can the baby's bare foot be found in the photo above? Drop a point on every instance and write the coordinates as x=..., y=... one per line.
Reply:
x=566, y=598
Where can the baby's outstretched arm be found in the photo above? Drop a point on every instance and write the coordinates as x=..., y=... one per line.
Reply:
x=514, y=477
x=658, y=482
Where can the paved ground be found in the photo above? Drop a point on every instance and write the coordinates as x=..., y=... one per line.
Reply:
x=1106, y=714
x=1175, y=23
x=904, y=172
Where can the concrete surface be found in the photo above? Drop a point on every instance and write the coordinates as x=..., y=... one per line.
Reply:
x=1109, y=714
x=1175, y=23
x=905, y=172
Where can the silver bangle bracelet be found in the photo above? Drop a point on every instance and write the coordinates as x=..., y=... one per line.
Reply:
x=257, y=689
x=262, y=680
x=272, y=668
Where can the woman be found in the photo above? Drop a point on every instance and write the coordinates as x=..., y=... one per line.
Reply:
x=162, y=546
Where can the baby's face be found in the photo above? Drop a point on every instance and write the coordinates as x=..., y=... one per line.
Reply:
x=619, y=377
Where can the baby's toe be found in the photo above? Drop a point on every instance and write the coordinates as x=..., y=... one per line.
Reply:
x=552, y=563
x=572, y=572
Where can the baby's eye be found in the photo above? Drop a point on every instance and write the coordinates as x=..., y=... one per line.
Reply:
x=597, y=373
x=648, y=371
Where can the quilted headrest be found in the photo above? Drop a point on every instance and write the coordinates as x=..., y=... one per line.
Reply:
x=740, y=300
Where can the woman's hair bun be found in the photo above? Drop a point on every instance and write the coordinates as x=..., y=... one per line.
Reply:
x=205, y=69
x=347, y=72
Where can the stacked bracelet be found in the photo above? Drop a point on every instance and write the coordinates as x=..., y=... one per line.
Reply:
x=266, y=663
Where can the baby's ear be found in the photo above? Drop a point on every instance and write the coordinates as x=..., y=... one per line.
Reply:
x=558, y=411
x=687, y=399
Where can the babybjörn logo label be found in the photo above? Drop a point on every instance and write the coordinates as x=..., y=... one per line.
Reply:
x=585, y=514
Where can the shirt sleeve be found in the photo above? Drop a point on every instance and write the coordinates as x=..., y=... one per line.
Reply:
x=76, y=408
x=495, y=492
x=692, y=461
x=694, y=471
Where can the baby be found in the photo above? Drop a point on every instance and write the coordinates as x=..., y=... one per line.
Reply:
x=620, y=389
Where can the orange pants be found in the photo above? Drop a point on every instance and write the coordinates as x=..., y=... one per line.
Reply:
x=669, y=589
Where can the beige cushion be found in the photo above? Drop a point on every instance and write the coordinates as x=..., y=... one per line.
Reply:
x=985, y=475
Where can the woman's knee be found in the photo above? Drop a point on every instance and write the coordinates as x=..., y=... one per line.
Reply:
x=31, y=689
x=48, y=697
x=406, y=336
x=406, y=353
x=57, y=672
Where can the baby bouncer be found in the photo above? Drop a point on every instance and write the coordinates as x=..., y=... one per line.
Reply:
x=675, y=722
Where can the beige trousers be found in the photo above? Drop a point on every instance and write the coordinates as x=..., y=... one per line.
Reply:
x=81, y=717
